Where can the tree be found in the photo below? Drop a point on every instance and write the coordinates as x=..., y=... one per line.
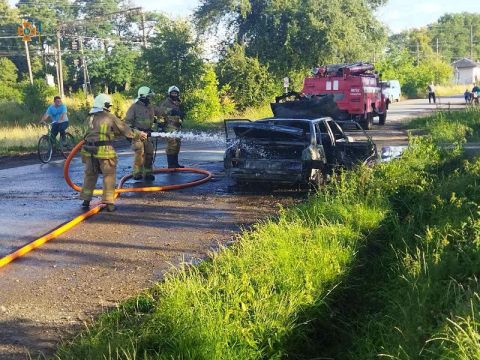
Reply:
x=249, y=81
x=8, y=72
x=174, y=57
x=414, y=77
x=297, y=34
x=454, y=33
x=121, y=65
x=8, y=80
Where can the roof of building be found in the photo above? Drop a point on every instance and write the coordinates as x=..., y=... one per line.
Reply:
x=465, y=63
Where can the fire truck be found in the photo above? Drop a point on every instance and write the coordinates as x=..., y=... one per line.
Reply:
x=342, y=91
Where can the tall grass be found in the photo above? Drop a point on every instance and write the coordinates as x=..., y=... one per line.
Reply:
x=23, y=139
x=452, y=89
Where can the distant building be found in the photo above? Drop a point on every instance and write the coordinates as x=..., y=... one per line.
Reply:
x=466, y=71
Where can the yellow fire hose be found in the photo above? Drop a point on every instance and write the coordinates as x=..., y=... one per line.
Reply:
x=98, y=206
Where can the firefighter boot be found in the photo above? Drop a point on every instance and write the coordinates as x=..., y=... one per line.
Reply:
x=110, y=208
x=171, y=161
x=177, y=165
x=86, y=204
x=149, y=177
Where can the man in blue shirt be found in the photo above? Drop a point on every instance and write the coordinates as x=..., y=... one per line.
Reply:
x=58, y=113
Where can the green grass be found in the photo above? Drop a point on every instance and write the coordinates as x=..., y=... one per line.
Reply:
x=450, y=126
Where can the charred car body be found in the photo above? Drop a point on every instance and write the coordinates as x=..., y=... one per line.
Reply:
x=293, y=151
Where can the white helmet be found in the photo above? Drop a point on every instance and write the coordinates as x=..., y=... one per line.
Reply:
x=102, y=101
x=172, y=89
x=144, y=91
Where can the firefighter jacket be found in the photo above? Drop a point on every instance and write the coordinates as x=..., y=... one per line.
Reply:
x=141, y=116
x=102, y=129
x=172, y=114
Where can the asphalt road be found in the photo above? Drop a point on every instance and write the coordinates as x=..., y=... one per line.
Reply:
x=51, y=292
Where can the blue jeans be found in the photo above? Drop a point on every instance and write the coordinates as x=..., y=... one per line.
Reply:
x=58, y=128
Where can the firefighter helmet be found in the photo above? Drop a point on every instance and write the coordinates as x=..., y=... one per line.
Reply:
x=173, y=88
x=102, y=101
x=144, y=91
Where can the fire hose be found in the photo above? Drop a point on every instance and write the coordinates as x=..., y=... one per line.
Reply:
x=96, y=207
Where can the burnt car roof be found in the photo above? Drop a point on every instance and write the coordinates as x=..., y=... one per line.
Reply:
x=259, y=129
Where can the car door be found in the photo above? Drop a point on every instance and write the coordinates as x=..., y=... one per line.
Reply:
x=327, y=141
x=351, y=150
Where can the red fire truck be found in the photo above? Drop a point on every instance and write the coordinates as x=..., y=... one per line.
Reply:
x=343, y=92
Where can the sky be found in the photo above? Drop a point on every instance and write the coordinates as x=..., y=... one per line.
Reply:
x=398, y=15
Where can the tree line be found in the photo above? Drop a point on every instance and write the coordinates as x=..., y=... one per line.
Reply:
x=262, y=41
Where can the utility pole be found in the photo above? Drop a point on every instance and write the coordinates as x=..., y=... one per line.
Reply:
x=59, y=65
x=437, y=45
x=56, y=68
x=84, y=66
x=28, y=62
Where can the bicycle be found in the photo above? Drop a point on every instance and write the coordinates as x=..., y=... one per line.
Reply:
x=46, y=145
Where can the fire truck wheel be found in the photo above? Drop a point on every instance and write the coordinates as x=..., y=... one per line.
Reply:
x=382, y=118
x=367, y=123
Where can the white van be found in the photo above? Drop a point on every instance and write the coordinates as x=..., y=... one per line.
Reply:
x=391, y=90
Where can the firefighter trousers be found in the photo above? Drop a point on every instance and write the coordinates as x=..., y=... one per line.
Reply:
x=143, y=159
x=173, y=144
x=93, y=167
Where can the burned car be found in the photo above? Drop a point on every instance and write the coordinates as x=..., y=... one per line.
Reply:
x=293, y=151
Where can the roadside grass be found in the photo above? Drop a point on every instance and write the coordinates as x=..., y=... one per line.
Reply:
x=19, y=129
x=450, y=126
x=18, y=139
x=383, y=263
x=452, y=89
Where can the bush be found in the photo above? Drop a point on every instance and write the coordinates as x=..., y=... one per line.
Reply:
x=120, y=105
x=9, y=93
x=37, y=96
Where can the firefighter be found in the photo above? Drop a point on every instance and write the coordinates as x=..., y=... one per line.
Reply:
x=98, y=154
x=173, y=116
x=141, y=116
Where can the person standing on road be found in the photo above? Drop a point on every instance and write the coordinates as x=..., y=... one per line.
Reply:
x=141, y=116
x=172, y=114
x=431, y=93
x=98, y=154
x=58, y=113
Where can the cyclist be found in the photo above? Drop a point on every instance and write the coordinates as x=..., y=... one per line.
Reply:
x=58, y=113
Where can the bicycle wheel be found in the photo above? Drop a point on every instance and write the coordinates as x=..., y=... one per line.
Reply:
x=67, y=144
x=45, y=149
